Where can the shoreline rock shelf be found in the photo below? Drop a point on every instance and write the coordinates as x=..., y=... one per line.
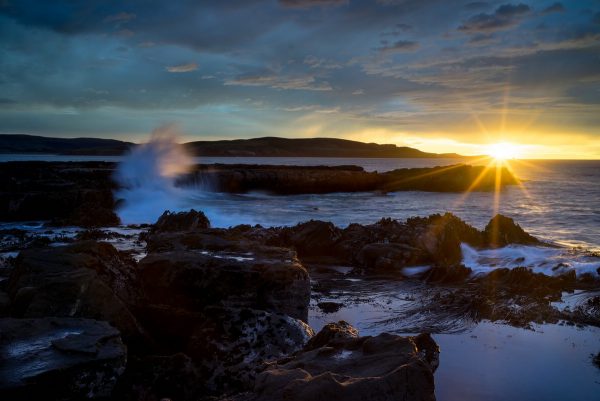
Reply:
x=215, y=313
x=82, y=193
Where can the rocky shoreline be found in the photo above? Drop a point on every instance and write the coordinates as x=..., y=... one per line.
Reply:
x=209, y=313
x=83, y=193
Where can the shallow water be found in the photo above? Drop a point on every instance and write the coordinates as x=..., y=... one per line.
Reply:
x=478, y=360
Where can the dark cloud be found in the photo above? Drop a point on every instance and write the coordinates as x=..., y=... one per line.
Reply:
x=400, y=46
x=505, y=16
x=554, y=8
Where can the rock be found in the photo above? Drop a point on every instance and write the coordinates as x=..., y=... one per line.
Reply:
x=68, y=193
x=182, y=221
x=388, y=257
x=329, y=307
x=313, y=239
x=59, y=358
x=231, y=345
x=332, y=334
x=157, y=377
x=268, y=278
x=447, y=274
x=381, y=368
x=502, y=231
x=85, y=279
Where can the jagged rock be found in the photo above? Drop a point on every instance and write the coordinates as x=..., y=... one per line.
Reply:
x=59, y=358
x=182, y=221
x=502, y=230
x=85, y=279
x=381, y=368
x=231, y=345
x=332, y=334
x=265, y=278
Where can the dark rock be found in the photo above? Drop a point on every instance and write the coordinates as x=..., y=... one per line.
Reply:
x=385, y=367
x=231, y=345
x=313, y=238
x=156, y=377
x=329, y=307
x=502, y=230
x=85, y=279
x=182, y=221
x=59, y=358
x=269, y=279
x=332, y=335
x=388, y=257
x=447, y=274
x=68, y=193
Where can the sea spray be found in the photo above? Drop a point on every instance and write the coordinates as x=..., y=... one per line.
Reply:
x=146, y=178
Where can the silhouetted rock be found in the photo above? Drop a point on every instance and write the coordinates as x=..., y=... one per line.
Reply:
x=182, y=221
x=59, y=359
x=389, y=256
x=385, y=367
x=313, y=239
x=502, y=231
x=86, y=279
x=67, y=193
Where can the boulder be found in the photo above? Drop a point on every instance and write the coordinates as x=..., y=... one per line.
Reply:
x=84, y=279
x=502, y=231
x=381, y=368
x=59, y=358
x=266, y=278
x=313, y=239
x=182, y=221
x=231, y=345
x=331, y=334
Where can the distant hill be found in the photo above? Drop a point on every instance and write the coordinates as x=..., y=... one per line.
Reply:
x=304, y=147
x=62, y=146
x=259, y=147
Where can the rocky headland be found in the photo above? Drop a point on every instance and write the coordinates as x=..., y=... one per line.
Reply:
x=83, y=193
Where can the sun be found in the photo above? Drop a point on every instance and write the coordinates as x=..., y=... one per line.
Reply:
x=503, y=151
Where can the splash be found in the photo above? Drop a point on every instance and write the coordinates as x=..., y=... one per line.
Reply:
x=146, y=177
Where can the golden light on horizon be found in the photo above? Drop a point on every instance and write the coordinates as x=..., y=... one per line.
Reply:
x=502, y=151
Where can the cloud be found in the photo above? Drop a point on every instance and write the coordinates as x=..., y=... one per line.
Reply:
x=504, y=17
x=311, y=3
x=400, y=46
x=554, y=8
x=120, y=17
x=306, y=82
x=183, y=67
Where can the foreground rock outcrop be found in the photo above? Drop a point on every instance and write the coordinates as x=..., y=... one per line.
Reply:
x=381, y=368
x=86, y=279
x=59, y=358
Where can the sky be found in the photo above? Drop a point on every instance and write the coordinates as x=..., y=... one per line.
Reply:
x=442, y=76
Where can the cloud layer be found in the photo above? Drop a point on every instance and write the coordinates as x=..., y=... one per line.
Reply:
x=385, y=70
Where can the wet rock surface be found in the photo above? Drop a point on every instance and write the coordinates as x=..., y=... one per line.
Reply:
x=85, y=279
x=59, y=358
x=383, y=367
x=212, y=312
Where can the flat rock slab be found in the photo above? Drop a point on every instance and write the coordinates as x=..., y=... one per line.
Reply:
x=53, y=358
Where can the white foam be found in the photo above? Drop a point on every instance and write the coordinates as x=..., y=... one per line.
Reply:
x=539, y=259
x=147, y=178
